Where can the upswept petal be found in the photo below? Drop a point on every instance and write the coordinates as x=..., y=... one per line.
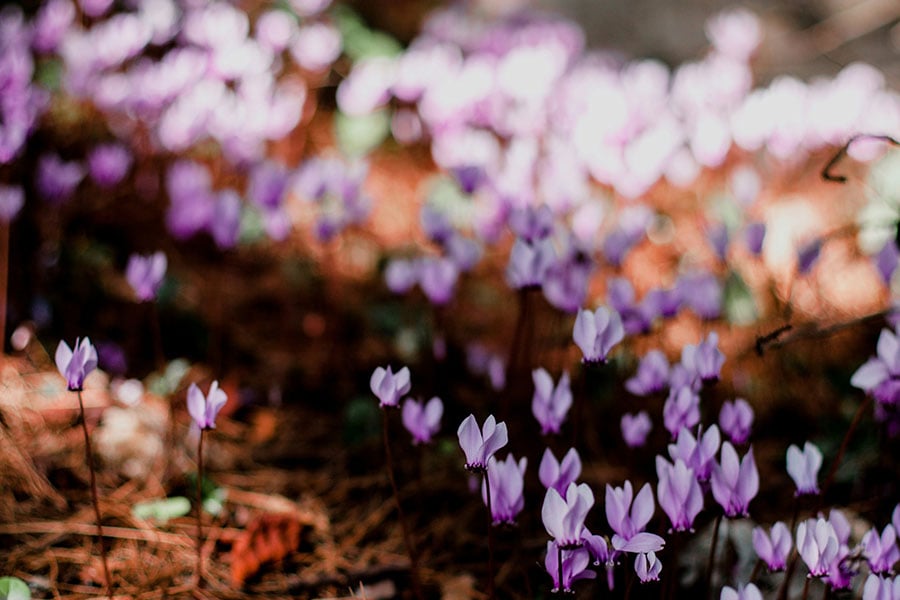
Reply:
x=496, y=440
x=870, y=374
x=888, y=349
x=585, y=332
x=63, y=357
x=643, y=508
x=552, y=512
x=469, y=438
x=196, y=405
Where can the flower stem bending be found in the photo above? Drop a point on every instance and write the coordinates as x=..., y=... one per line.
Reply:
x=490, y=510
x=200, y=511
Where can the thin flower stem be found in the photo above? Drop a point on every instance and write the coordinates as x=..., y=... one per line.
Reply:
x=200, y=510
x=829, y=479
x=756, y=569
x=89, y=456
x=490, y=507
x=4, y=278
x=792, y=562
x=711, y=562
x=560, y=564
x=806, y=588
x=407, y=540
x=629, y=585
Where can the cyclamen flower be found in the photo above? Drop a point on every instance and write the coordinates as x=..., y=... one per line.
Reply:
x=704, y=360
x=556, y=475
x=75, y=365
x=479, y=446
x=647, y=567
x=681, y=410
x=529, y=263
x=880, y=376
x=12, y=199
x=882, y=551
x=437, y=278
x=507, y=481
x=575, y=562
x=422, y=422
x=748, y=592
x=145, y=274
x=803, y=467
x=652, y=374
x=754, y=236
x=597, y=332
x=734, y=483
x=205, y=409
x=57, y=179
x=702, y=293
x=389, y=386
x=550, y=405
x=401, y=275
x=679, y=493
x=627, y=518
x=881, y=588
x=886, y=261
x=564, y=517
x=818, y=545
x=736, y=419
x=531, y=223
x=108, y=164
x=774, y=548
x=697, y=453
x=635, y=428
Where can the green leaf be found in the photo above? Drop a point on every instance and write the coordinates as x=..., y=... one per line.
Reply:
x=13, y=588
x=166, y=383
x=358, y=40
x=357, y=136
x=740, y=306
x=163, y=509
x=252, y=228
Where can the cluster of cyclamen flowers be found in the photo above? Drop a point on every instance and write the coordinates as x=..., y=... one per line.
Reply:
x=221, y=77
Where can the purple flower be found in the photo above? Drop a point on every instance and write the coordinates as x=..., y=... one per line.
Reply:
x=647, y=566
x=881, y=551
x=532, y=224
x=679, y=493
x=108, y=164
x=95, y=8
x=479, y=446
x=316, y=45
x=652, y=374
x=754, y=236
x=51, y=23
x=204, y=409
x=268, y=184
x=702, y=293
x=529, y=263
x=12, y=199
x=881, y=588
x=437, y=278
x=556, y=475
x=717, y=236
x=565, y=282
x=736, y=419
x=435, y=223
x=401, y=275
x=807, y=256
x=886, y=261
x=564, y=517
x=597, y=332
x=575, y=562
x=681, y=410
x=463, y=251
x=57, y=179
x=635, y=428
x=880, y=376
x=704, y=360
x=388, y=386
x=818, y=545
x=627, y=518
x=422, y=421
x=697, y=453
x=225, y=223
x=636, y=318
x=748, y=592
x=145, y=274
x=734, y=483
x=774, y=548
x=507, y=481
x=550, y=405
x=75, y=365
x=192, y=204
x=803, y=467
